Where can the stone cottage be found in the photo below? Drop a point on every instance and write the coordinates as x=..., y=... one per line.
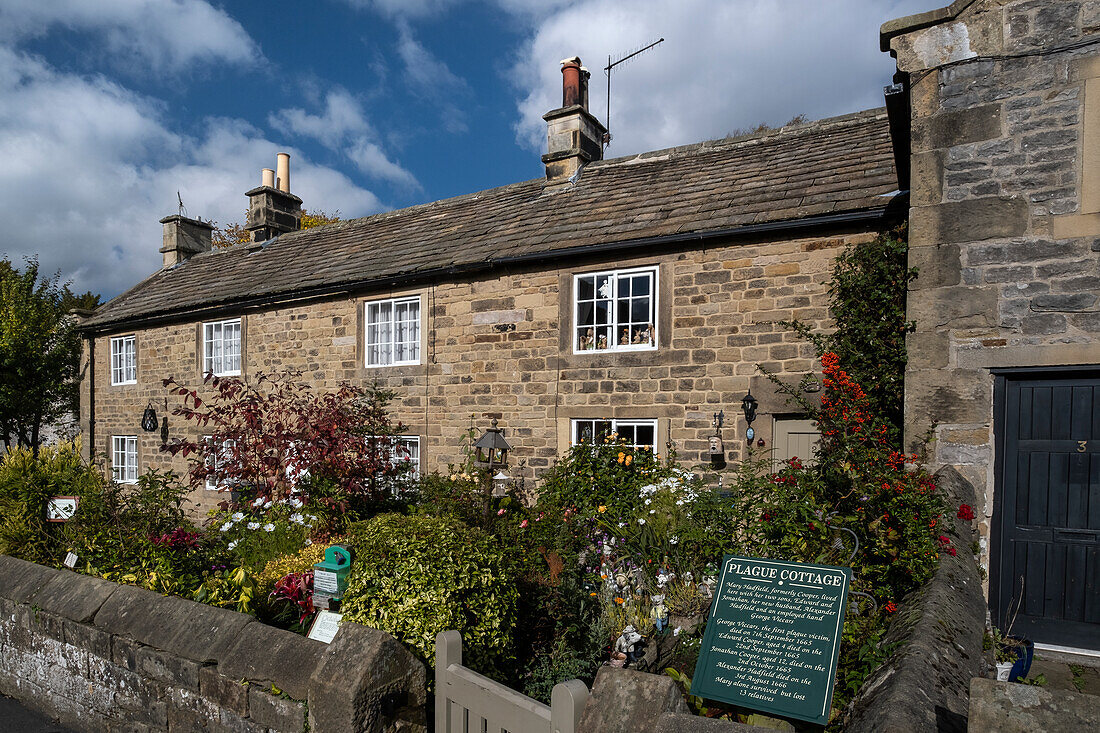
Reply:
x=635, y=295
x=1003, y=101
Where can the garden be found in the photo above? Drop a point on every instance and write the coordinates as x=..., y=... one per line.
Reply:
x=542, y=584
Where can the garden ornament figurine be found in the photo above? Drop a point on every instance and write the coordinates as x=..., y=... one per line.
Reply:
x=628, y=648
x=659, y=612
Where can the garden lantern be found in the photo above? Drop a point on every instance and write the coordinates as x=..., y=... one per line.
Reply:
x=492, y=449
x=500, y=485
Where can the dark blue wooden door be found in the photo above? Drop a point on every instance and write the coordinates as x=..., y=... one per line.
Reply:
x=1047, y=517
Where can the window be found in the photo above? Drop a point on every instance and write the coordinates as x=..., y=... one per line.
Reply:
x=407, y=448
x=124, y=463
x=222, y=347
x=615, y=311
x=215, y=460
x=393, y=331
x=123, y=360
x=638, y=433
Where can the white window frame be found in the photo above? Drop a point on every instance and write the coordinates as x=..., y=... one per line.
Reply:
x=124, y=459
x=576, y=424
x=412, y=446
x=390, y=343
x=213, y=335
x=123, y=360
x=615, y=326
x=216, y=457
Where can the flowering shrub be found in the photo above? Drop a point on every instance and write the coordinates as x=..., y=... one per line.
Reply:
x=297, y=590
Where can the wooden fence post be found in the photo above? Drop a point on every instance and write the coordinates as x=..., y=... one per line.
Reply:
x=448, y=651
x=566, y=705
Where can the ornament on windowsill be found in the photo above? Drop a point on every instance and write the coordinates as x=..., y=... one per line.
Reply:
x=601, y=343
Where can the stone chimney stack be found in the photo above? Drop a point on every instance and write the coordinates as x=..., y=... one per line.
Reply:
x=272, y=208
x=183, y=238
x=574, y=137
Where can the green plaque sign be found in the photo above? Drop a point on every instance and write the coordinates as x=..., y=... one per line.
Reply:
x=773, y=637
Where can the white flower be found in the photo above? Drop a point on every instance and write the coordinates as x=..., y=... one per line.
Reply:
x=259, y=500
x=309, y=541
x=641, y=521
x=226, y=527
x=269, y=527
x=676, y=631
x=673, y=540
x=652, y=511
x=232, y=544
x=253, y=525
x=622, y=524
x=237, y=516
x=267, y=505
x=296, y=503
x=648, y=502
x=297, y=518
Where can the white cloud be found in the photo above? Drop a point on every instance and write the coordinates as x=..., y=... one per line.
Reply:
x=723, y=65
x=163, y=35
x=91, y=167
x=430, y=78
x=343, y=127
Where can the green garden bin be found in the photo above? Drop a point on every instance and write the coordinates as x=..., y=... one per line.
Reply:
x=330, y=576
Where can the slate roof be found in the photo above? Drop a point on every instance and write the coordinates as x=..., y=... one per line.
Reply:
x=842, y=164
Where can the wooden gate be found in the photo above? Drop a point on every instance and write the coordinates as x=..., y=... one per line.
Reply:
x=1046, y=522
x=468, y=702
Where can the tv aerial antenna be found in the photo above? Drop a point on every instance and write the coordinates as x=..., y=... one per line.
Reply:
x=182, y=208
x=607, y=70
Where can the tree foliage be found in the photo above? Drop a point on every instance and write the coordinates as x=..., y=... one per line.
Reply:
x=235, y=233
x=274, y=434
x=39, y=352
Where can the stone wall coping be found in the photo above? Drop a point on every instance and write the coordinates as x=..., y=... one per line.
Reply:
x=365, y=681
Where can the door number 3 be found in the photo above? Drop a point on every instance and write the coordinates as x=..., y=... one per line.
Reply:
x=1082, y=445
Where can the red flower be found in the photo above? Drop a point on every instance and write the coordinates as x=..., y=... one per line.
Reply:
x=890, y=607
x=966, y=513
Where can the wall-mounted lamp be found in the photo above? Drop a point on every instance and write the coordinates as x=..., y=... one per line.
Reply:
x=748, y=406
x=149, y=421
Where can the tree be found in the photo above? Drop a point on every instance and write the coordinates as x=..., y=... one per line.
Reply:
x=235, y=233
x=39, y=352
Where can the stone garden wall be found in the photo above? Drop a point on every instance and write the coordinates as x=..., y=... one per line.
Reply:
x=100, y=656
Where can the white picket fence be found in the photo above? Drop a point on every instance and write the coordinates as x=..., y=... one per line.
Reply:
x=468, y=702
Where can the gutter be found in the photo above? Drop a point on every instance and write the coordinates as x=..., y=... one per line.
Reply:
x=809, y=224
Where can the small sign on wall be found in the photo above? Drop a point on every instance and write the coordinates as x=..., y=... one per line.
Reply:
x=61, y=508
x=325, y=626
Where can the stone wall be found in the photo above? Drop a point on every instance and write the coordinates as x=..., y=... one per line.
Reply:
x=500, y=348
x=103, y=657
x=1005, y=217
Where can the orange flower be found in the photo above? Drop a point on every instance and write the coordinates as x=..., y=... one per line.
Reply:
x=619, y=601
x=628, y=460
x=621, y=456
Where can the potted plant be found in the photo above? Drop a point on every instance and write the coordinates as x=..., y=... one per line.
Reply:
x=1013, y=656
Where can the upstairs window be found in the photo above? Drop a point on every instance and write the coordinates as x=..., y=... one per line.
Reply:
x=222, y=347
x=615, y=311
x=393, y=332
x=123, y=360
x=636, y=433
x=124, y=462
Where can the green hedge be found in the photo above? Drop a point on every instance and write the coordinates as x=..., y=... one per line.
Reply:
x=415, y=576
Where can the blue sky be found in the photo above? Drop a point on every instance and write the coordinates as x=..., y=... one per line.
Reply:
x=108, y=108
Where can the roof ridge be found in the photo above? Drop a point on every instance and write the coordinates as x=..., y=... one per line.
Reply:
x=813, y=127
